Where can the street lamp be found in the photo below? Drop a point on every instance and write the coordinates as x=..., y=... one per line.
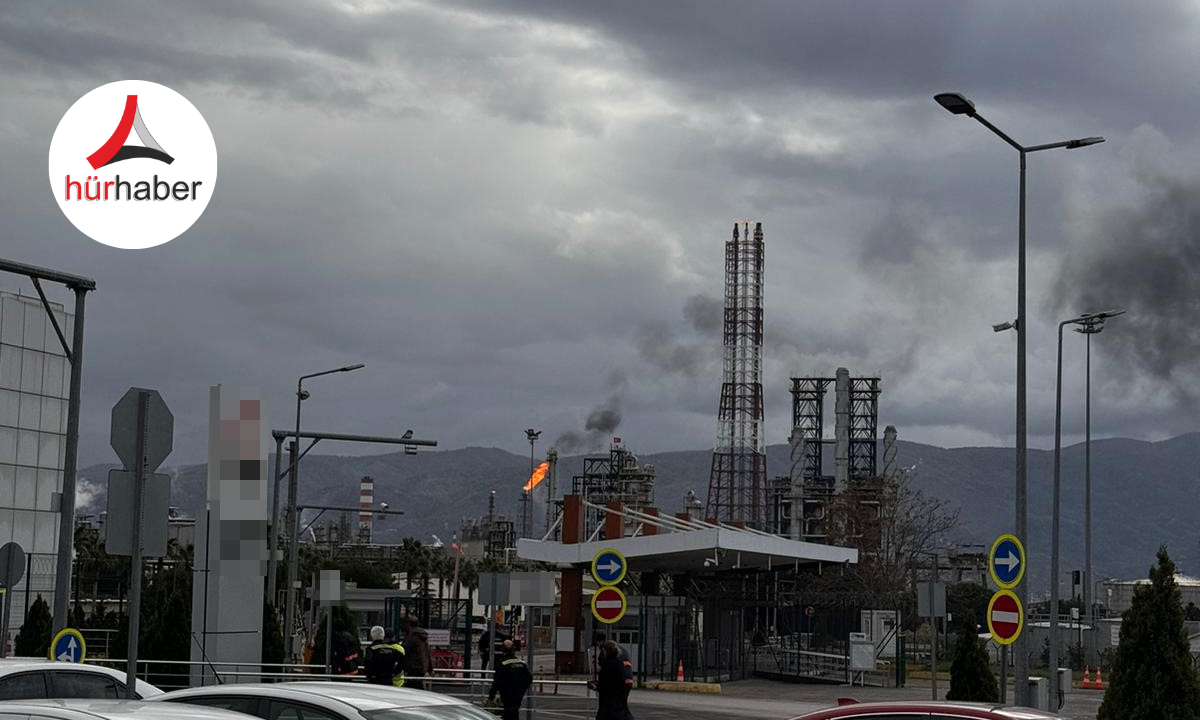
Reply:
x=293, y=515
x=1088, y=321
x=959, y=105
x=1088, y=329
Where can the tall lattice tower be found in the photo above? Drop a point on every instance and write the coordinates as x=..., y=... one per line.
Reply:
x=737, y=486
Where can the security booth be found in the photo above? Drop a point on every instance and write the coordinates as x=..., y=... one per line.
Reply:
x=699, y=595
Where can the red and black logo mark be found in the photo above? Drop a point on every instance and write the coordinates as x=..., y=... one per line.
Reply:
x=115, y=150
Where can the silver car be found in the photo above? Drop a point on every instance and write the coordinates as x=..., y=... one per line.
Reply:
x=328, y=701
x=30, y=679
x=80, y=709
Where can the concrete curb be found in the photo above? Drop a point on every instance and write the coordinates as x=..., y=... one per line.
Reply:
x=688, y=687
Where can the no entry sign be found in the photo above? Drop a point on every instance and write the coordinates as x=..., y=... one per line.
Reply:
x=608, y=605
x=1005, y=617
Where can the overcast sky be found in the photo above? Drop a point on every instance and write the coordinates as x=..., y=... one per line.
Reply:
x=514, y=213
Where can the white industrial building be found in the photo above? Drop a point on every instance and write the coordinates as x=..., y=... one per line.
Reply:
x=34, y=389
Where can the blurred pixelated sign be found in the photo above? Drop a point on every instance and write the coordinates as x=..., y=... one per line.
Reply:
x=531, y=588
x=329, y=587
x=139, y=419
x=159, y=428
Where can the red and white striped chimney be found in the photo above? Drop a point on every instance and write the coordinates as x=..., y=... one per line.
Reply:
x=366, y=507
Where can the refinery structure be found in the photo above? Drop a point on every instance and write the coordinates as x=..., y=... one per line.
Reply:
x=718, y=579
x=721, y=578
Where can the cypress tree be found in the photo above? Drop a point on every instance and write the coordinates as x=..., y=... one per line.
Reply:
x=34, y=638
x=1152, y=676
x=971, y=677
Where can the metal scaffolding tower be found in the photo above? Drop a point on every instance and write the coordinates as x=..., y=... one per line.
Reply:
x=864, y=421
x=737, y=487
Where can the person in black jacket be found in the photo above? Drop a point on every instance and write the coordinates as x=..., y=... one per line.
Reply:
x=511, y=679
x=384, y=660
x=485, y=645
x=614, y=680
x=418, y=662
x=344, y=656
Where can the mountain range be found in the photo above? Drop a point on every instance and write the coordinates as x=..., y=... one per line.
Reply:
x=1144, y=493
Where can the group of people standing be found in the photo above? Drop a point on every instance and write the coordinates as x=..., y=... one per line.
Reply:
x=406, y=663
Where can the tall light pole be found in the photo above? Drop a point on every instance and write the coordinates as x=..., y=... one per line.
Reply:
x=1088, y=329
x=959, y=105
x=293, y=516
x=1086, y=320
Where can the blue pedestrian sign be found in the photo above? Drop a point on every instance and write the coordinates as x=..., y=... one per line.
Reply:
x=68, y=646
x=608, y=567
x=1006, y=561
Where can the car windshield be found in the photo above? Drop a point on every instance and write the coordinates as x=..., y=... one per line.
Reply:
x=431, y=712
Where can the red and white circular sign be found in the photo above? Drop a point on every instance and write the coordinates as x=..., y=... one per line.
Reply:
x=1005, y=617
x=608, y=604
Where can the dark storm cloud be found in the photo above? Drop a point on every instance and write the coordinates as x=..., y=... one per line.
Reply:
x=1144, y=257
x=496, y=205
x=1066, y=53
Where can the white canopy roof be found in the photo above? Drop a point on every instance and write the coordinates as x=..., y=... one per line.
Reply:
x=731, y=548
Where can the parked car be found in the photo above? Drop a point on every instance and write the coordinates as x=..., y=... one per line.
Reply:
x=328, y=701
x=31, y=679
x=850, y=709
x=97, y=709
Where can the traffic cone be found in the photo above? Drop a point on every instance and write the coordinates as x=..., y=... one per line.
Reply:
x=679, y=672
x=1087, y=678
x=1099, y=684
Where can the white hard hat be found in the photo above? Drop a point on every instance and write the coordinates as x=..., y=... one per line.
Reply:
x=376, y=633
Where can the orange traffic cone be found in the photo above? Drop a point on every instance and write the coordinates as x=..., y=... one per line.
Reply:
x=1099, y=684
x=1087, y=679
x=679, y=672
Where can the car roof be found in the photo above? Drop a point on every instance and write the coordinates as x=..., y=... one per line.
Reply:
x=9, y=666
x=89, y=709
x=848, y=708
x=360, y=696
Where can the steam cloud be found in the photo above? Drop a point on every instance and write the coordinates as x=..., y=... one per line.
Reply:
x=600, y=424
x=1145, y=258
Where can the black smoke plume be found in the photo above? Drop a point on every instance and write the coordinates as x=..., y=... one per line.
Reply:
x=1144, y=258
x=598, y=428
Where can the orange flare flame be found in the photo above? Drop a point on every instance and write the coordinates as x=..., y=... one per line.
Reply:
x=538, y=475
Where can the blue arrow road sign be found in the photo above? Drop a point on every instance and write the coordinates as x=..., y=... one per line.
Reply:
x=608, y=567
x=1006, y=562
x=68, y=646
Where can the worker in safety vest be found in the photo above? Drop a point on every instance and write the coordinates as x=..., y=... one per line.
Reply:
x=385, y=660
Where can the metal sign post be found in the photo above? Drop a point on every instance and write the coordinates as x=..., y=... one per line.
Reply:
x=1006, y=565
x=141, y=435
x=329, y=589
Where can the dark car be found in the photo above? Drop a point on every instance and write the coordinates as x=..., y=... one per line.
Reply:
x=849, y=709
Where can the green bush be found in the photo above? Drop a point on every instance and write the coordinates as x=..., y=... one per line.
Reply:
x=34, y=638
x=1152, y=674
x=971, y=677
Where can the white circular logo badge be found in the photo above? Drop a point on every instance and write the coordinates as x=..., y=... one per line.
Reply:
x=133, y=164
